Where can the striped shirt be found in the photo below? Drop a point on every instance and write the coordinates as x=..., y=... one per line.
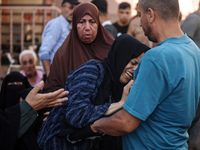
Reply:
x=78, y=111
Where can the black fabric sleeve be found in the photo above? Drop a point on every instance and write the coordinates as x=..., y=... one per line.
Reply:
x=9, y=126
x=82, y=134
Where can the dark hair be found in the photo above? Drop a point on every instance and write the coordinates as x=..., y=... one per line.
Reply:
x=167, y=9
x=124, y=5
x=102, y=5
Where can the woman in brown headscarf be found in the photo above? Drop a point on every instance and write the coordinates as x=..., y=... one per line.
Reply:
x=84, y=42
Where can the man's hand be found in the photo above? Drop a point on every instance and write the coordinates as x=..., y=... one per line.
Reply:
x=52, y=99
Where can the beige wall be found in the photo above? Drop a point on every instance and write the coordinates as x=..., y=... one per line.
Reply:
x=186, y=6
x=25, y=1
x=112, y=7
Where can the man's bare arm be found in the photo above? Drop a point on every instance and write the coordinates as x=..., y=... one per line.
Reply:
x=119, y=124
x=46, y=65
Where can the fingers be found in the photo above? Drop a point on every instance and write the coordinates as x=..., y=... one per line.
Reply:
x=35, y=90
x=130, y=83
x=57, y=102
x=56, y=94
x=44, y=119
x=62, y=94
x=46, y=114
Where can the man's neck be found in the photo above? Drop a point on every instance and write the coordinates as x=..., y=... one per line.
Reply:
x=173, y=31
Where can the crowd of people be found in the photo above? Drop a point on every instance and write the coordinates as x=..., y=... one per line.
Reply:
x=131, y=84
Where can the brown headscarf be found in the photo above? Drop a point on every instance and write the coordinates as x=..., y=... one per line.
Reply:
x=73, y=52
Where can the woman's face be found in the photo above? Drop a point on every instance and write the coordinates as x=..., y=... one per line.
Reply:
x=127, y=73
x=28, y=64
x=87, y=29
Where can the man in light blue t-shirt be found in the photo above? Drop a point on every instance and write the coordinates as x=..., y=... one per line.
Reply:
x=163, y=100
x=54, y=34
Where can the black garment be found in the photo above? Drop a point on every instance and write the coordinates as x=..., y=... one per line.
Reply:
x=9, y=126
x=44, y=77
x=120, y=29
x=10, y=118
x=124, y=48
x=28, y=141
x=10, y=94
x=111, y=29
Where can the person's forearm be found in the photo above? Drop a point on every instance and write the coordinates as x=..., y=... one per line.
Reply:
x=112, y=125
x=46, y=65
x=119, y=124
x=28, y=116
x=114, y=107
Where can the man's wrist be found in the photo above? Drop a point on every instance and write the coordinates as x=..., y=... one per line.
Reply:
x=93, y=127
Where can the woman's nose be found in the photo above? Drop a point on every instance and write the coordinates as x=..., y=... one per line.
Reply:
x=87, y=25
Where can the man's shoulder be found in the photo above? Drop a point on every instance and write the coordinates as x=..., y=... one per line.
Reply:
x=115, y=24
x=158, y=53
x=111, y=28
x=195, y=16
x=54, y=21
x=135, y=21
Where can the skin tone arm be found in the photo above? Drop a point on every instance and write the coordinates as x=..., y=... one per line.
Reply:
x=119, y=124
x=118, y=105
x=38, y=101
x=46, y=65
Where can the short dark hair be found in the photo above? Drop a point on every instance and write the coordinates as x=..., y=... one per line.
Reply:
x=124, y=5
x=102, y=5
x=167, y=9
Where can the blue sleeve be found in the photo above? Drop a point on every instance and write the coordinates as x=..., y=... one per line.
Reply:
x=83, y=86
x=150, y=87
x=50, y=37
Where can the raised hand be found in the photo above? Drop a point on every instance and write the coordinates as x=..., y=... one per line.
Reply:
x=52, y=99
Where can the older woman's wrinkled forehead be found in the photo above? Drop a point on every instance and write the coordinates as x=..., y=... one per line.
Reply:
x=85, y=8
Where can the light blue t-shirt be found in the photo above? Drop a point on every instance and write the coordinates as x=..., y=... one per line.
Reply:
x=54, y=34
x=164, y=96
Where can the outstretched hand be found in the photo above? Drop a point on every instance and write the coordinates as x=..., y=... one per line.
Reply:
x=52, y=99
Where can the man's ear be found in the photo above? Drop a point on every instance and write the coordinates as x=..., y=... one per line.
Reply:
x=151, y=15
